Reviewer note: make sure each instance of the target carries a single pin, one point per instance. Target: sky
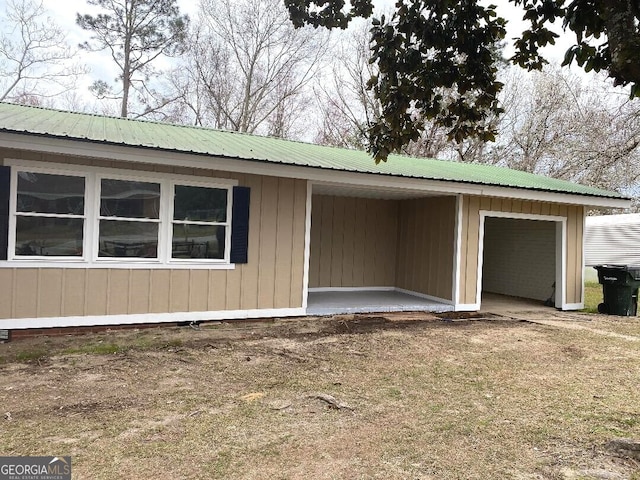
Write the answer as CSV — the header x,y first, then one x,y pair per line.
x,y
64,13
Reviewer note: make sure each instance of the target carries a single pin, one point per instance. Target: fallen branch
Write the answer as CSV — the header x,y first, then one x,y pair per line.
x,y
355,352
332,401
280,406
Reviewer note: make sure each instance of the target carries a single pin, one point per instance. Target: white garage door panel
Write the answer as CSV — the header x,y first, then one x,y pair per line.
x,y
519,257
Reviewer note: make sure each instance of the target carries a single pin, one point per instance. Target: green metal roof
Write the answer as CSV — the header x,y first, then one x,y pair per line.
x,y
204,141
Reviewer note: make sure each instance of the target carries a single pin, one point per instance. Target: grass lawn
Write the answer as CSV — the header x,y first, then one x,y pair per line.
x,y
592,296
421,399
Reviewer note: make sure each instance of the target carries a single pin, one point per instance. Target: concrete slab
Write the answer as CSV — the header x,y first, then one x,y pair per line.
x,y
367,301
501,304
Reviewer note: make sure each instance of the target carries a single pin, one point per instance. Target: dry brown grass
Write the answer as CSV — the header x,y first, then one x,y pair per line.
x,y
431,400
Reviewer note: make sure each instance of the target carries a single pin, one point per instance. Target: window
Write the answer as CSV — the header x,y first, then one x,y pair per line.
x,y
101,217
129,219
49,213
199,222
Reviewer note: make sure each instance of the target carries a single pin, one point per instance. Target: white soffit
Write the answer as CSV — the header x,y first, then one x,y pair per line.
x,y
338,190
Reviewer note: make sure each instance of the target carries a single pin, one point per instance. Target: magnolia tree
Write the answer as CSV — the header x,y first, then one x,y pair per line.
x,y
436,58
348,106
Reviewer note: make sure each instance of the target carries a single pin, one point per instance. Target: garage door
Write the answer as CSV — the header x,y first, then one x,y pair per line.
x,y
519,257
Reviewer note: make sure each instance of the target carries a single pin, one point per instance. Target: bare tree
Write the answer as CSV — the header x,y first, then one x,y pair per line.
x,y
348,106
557,125
136,33
291,117
248,68
35,60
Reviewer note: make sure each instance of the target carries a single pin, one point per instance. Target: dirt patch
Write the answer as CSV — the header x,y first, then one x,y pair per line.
x,y
393,397
466,316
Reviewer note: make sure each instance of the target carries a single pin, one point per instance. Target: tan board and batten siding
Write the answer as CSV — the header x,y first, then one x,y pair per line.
x,y
353,242
471,207
426,246
273,278
364,242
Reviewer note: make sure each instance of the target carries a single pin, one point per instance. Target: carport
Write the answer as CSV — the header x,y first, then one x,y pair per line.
x,y
380,250
398,250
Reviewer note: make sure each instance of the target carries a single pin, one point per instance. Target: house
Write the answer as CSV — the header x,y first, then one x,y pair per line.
x,y
107,221
611,240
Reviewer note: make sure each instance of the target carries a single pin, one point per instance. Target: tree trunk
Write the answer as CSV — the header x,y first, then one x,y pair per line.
x,y
126,67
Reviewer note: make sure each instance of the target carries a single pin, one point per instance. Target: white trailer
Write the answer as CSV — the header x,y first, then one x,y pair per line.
x,y
611,240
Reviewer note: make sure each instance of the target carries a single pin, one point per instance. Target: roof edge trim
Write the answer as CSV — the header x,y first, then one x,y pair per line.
x,y
44,143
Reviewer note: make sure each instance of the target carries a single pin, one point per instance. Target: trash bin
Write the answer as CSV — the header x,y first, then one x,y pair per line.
x,y
620,285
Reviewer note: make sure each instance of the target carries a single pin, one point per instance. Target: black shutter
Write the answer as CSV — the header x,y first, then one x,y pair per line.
x,y
5,183
240,225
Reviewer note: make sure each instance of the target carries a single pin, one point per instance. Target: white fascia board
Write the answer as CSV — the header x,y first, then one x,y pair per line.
x,y
132,319
211,162
151,155
566,198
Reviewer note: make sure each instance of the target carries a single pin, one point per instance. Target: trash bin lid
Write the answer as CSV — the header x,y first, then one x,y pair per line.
x,y
619,274
612,267
634,271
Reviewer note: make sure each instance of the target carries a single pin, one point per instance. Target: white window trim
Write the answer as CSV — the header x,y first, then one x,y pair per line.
x,y
95,219
561,252
13,214
90,258
169,217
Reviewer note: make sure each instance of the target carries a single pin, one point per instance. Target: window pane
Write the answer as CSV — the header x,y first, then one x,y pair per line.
x,y
49,236
122,198
200,204
45,193
128,239
198,241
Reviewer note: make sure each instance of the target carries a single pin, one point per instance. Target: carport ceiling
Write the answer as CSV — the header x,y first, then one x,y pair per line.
x,y
341,190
